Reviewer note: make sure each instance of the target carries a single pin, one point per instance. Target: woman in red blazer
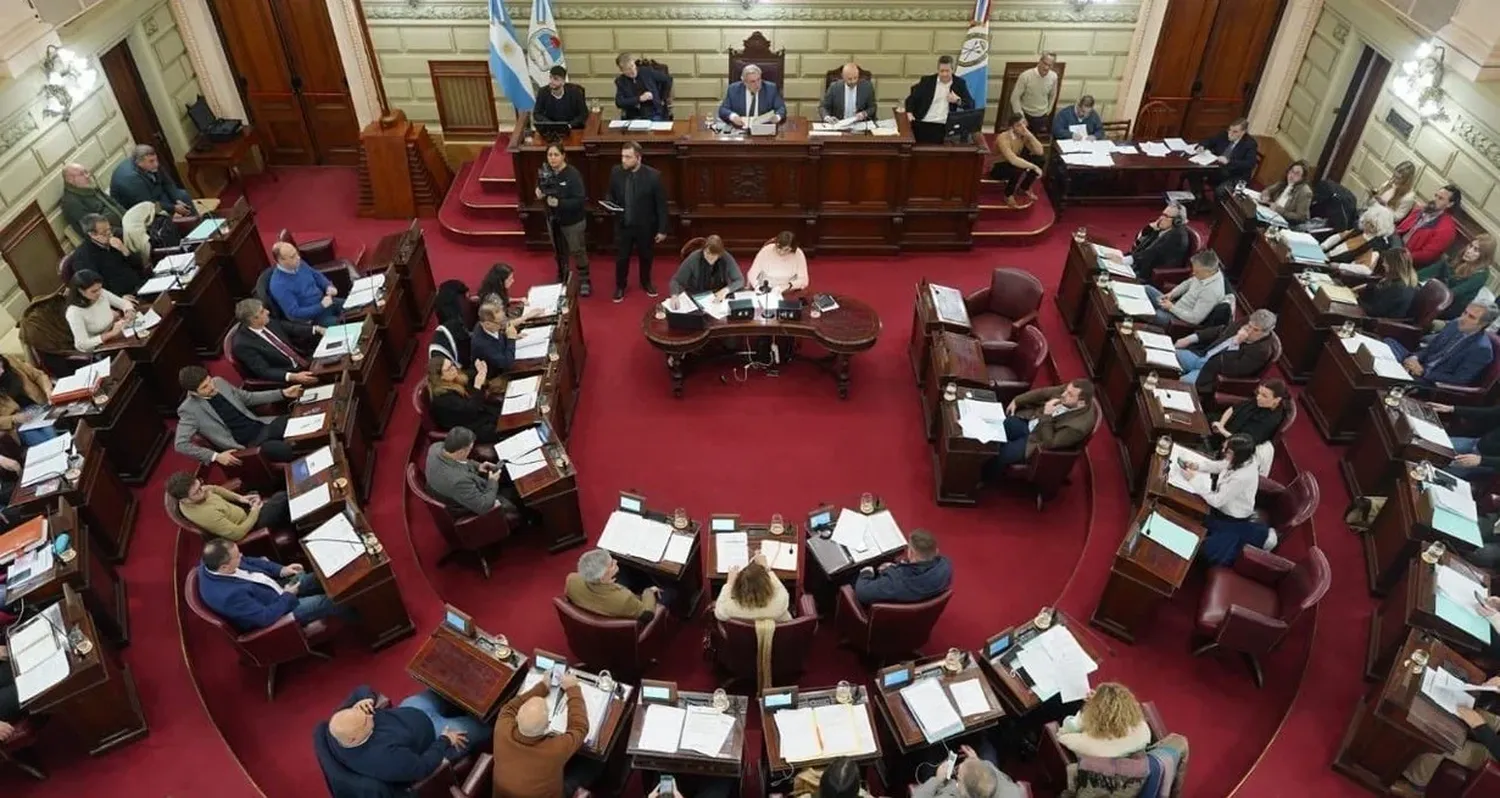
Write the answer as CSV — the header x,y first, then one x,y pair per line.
x,y
1430,229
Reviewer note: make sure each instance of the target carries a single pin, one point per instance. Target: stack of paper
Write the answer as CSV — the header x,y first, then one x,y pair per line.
x,y
1458,600
969,697
1126,149
164,282
47,459
1115,268
982,421
779,556
1430,432
732,550
334,544
867,536
534,342
1108,253
595,702
1170,535
1204,158
1057,665
1090,159
304,503
183,263
1178,145
933,709
1304,248
339,339
1458,499
1172,399
661,729
1155,149
1446,690
1268,215
705,730
38,652
1131,299
1164,358
1154,340
83,381
297,426
521,395
679,548
1389,368
34,564
1376,347
635,536
319,393
797,730
545,298
1200,482
365,291
143,323
830,730
949,304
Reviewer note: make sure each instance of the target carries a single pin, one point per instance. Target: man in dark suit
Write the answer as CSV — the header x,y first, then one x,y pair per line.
x,y
851,97
1235,151
251,593
641,92
641,222
561,101
1059,417
1163,243
1457,355
1240,349
271,349
494,339
750,97
104,253
934,97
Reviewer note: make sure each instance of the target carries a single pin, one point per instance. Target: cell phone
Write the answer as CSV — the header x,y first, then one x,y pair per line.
x,y
952,764
666,788
557,674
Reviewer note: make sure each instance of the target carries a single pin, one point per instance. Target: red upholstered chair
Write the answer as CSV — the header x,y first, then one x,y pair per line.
x,y
1482,392
281,642
884,633
1431,300
1167,279
479,783
1054,758
248,381
1288,507
1244,387
464,532
1013,370
734,646
1452,780
255,472
279,545
1010,303
1048,470
16,751
1249,607
1227,312
319,250
624,646
483,452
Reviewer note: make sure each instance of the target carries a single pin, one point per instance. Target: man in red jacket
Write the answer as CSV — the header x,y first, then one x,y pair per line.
x,y
1429,230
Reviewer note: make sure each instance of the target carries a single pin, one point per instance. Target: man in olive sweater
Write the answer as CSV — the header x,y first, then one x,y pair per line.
x,y
530,762
224,513
594,588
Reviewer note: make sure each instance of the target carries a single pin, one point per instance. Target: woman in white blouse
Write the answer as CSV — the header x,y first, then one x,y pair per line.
x,y
1396,193
1231,501
780,264
91,312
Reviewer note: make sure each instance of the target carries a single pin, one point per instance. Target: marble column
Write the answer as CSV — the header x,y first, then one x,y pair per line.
x,y
1293,34
1143,41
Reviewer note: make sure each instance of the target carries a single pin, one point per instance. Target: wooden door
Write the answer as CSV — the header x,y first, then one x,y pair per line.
x,y
318,78
1208,62
135,105
252,42
1352,114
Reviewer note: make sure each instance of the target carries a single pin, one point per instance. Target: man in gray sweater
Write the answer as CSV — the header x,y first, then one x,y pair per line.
x,y
973,778
457,480
1193,299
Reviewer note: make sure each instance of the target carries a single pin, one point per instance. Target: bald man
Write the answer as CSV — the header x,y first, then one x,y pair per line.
x,y
530,762
81,196
302,292
400,745
850,97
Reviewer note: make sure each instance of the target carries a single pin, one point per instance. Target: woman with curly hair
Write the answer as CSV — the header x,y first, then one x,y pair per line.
x,y
1111,724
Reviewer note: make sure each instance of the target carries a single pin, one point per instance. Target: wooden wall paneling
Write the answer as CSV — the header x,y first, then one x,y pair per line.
x,y
251,39
32,250
318,77
465,93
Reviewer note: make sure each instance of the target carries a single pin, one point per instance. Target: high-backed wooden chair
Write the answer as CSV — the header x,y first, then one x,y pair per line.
x,y
837,74
1012,73
757,50
1157,120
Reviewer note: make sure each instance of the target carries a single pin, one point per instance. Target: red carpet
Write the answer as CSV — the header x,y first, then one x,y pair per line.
x,y
712,452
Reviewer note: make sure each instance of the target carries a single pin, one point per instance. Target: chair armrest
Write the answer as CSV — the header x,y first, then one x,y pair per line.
x,y
807,606
283,624
1409,335
478,781
1449,394
651,627
848,600
1249,631
978,301
1029,318
1262,566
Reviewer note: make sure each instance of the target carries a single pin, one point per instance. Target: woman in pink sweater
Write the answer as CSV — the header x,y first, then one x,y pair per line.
x,y
779,264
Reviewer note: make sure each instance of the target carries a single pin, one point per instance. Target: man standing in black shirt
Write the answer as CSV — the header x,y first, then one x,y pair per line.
x,y
561,101
641,222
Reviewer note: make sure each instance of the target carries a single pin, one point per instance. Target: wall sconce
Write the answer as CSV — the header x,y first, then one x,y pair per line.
x,y
1419,81
69,80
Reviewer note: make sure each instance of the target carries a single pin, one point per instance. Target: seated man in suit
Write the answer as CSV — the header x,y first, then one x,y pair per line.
x,y
1059,417
1235,151
1162,243
709,268
141,179
1239,349
1082,114
251,593
561,101
221,413
222,512
81,196
530,760
750,97
494,339
923,574
1457,355
303,293
1481,748
851,97
271,349
104,253
934,97
399,746
1478,455
1193,299
462,483
594,587
1428,230
641,92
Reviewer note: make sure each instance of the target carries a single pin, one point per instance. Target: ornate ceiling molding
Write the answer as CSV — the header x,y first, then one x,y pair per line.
x,y
1471,132
421,10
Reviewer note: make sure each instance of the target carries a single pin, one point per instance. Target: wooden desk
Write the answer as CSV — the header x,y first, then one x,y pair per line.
x,y
552,491
903,726
548,408
1412,605
1079,270
464,671
1266,276
1145,575
1147,422
1100,316
1016,690
392,316
1341,391
1137,178
834,565
777,765
206,302
754,534
953,358
843,194
616,713
107,507
1123,368
1401,528
1233,231
957,461
1304,327
341,418
686,578
556,369
368,587
97,702
844,332
1160,489
926,320
239,249
729,762
223,155
125,420
1395,723
160,354
338,477
93,578
406,251
370,370
1385,444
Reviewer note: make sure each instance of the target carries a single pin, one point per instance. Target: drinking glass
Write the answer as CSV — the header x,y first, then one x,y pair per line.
x,y
867,503
721,700
843,692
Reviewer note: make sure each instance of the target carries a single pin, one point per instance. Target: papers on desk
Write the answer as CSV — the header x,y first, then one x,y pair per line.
x,y
304,503
1390,369
1105,253
163,282
982,421
1446,690
808,733
534,342
1126,149
731,550
338,339
1131,299
661,730
1458,499
82,382
1078,131
705,730
205,230
365,291
930,704
1057,665
1178,145
1204,158
1170,535
32,642
1430,432
315,463
1456,526
319,393
1153,340
1377,347
1337,293
334,544
545,298
297,426
679,548
969,696
1177,476
183,263
519,445
635,536
1304,248
46,460
1116,269
1161,357
1457,602
661,126
1172,399
1090,159
779,556
595,703
525,465
1155,149
885,127
867,536
949,304
33,565
143,323
1101,147
520,395
43,676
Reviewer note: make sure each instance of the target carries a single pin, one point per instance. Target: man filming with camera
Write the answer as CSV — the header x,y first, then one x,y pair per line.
x,y
560,187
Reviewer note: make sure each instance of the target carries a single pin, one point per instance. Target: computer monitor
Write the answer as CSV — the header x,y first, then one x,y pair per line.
x,y
544,662
723,523
964,124
632,503
997,645
895,677
780,699
551,131
458,622
821,518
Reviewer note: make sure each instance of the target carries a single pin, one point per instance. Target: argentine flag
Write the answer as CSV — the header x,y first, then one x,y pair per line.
x,y
543,47
508,59
974,57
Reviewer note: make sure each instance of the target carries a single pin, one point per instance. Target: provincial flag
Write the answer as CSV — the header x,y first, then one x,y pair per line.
x,y
543,46
974,56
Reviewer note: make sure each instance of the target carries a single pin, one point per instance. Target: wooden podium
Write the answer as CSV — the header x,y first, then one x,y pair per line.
x,y
957,461
552,491
1101,314
1304,326
108,507
1079,269
1341,391
392,316
1123,367
925,322
1145,575
123,417
466,671
367,586
1266,276
239,250
1159,488
954,358
401,172
1412,604
370,370
1385,444
407,252
1233,231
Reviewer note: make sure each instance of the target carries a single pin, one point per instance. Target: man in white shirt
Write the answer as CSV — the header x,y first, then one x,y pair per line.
x,y
1035,94
851,97
934,97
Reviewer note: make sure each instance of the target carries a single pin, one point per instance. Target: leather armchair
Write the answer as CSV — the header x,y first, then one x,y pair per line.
x,y
1250,607
624,646
693,244
16,751
1244,387
464,532
734,646
281,642
254,471
1054,757
1482,392
1010,303
884,633
1288,507
1431,300
1452,780
65,268
48,340
1013,370
1048,470
248,381
279,545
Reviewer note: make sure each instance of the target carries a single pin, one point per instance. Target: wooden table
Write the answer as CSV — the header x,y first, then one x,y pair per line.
x,y
552,491
92,577
686,578
844,332
1305,325
368,587
392,315
465,671
953,358
547,410
341,418
1412,605
925,321
239,249
558,372
843,194
1267,274
1385,444
206,301
1401,528
957,461
123,417
1395,723
754,534
370,370
224,155
406,251
727,764
1341,391
1123,369
1016,690
159,354
902,724
1144,575
1148,421
1233,231
1081,185
777,766
107,506
1158,487
1101,315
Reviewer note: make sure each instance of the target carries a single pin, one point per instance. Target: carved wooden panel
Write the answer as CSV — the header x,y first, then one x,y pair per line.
x,y
465,97
33,252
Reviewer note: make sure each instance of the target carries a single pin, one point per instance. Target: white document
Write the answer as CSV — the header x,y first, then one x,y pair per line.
x,y
518,404
1126,149
1390,370
42,676
982,421
1131,299
1065,651
1154,340
849,531
1204,158
34,642
518,445
160,283
1078,130
334,544
534,343
298,426
320,393
658,126
933,709
319,461
635,536
364,291
1457,586
1429,431
1376,347
949,303
1457,499
1179,145
526,465
970,698
1108,253
731,550
1117,269
1068,146
798,730
178,264
884,533
523,386
779,556
1155,149
46,460
304,503
704,730
679,548
1171,399
143,323
1038,665
1161,357
838,729
84,379
545,297
662,728
1446,690
1199,483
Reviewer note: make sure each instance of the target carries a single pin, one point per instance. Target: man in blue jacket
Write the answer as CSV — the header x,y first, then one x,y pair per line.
x,y
1081,114
1457,355
494,339
749,97
141,179
924,574
252,592
396,746
302,292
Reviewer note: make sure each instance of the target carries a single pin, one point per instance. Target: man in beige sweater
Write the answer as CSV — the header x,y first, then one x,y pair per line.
x,y
223,513
593,587
1035,94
